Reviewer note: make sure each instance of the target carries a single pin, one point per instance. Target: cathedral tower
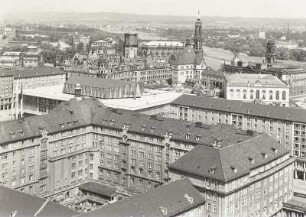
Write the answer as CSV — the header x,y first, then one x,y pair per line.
x,y
198,39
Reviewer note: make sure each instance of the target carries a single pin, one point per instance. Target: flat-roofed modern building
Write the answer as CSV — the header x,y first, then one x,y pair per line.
x,y
250,177
15,81
176,199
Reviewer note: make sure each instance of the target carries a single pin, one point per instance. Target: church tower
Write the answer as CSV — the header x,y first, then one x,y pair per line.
x,y
198,39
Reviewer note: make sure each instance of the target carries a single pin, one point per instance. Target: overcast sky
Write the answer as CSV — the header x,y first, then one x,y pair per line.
x,y
240,8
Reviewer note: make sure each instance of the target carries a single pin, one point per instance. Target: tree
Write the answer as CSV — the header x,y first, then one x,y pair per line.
x,y
80,47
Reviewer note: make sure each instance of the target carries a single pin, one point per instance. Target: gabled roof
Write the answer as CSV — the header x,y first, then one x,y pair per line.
x,y
67,115
27,205
187,57
229,162
167,200
245,108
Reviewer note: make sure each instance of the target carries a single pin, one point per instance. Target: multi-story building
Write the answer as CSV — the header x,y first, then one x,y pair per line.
x,y
252,177
81,140
176,199
258,88
33,57
101,44
130,46
160,50
6,91
144,75
13,82
102,88
187,66
286,125
286,45
10,59
79,38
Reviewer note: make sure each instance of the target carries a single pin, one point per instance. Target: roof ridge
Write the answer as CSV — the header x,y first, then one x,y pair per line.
x,y
223,176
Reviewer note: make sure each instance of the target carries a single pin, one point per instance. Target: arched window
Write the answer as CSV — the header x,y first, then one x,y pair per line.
x,y
277,95
263,94
244,94
232,93
237,93
271,95
284,95
257,94
251,94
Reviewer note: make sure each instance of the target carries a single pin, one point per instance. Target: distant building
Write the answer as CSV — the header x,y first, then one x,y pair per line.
x,y
176,199
262,35
187,66
33,57
260,88
149,75
102,88
160,50
101,44
10,59
130,46
250,177
286,45
16,81
79,38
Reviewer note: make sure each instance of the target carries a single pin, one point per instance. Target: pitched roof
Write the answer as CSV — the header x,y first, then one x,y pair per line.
x,y
67,115
30,72
172,198
229,162
254,79
27,205
98,188
187,57
239,107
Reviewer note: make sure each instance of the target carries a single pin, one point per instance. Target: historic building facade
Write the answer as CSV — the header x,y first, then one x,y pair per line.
x,y
259,88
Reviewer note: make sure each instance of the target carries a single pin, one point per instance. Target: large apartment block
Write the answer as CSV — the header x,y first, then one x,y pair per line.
x,y
286,125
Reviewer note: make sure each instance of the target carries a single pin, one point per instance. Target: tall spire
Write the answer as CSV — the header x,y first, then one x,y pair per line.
x,y
199,17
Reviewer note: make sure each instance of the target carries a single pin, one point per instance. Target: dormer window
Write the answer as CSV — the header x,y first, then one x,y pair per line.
x,y
212,169
274,150
235,170
197,138
249,111
163,210
251,160
62,125
187,136
264,155
189,198
112,122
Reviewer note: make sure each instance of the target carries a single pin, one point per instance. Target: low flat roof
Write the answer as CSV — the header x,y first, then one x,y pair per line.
x,y
150,98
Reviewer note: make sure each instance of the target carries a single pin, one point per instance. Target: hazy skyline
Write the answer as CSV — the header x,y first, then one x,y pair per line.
x,y
226,8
